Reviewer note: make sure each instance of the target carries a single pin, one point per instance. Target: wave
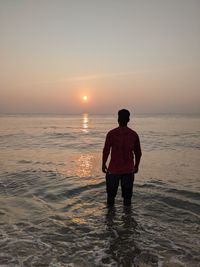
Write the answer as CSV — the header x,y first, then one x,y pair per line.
x,y
62,219
161,193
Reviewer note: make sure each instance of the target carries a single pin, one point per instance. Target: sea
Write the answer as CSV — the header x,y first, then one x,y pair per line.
x,y
53,198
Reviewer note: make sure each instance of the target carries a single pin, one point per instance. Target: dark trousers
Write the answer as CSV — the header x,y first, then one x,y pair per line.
x,y
112,183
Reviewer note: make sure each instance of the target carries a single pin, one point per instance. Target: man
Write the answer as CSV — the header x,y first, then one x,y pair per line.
x,y
125,149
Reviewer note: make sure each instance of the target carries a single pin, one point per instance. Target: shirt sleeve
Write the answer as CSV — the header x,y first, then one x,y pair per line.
x,y
137,147
106,149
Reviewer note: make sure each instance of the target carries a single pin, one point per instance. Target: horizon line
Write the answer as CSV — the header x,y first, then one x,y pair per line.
x,y
81,113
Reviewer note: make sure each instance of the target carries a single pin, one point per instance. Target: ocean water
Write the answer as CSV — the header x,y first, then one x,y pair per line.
x,y
53,200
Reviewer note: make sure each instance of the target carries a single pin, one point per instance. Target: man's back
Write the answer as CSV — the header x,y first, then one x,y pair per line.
x,y
123,142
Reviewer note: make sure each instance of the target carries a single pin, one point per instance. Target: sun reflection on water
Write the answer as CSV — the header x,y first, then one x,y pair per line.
x,y
85,165
85,122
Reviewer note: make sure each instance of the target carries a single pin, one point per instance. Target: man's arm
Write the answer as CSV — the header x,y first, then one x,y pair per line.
x,y
138,154
106,152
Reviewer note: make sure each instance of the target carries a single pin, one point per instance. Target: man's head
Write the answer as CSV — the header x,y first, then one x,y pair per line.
x,y
123,117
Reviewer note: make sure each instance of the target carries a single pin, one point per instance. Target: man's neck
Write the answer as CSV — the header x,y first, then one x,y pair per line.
x,y
122,125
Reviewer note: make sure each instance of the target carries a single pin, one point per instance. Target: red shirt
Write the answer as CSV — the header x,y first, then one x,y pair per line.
x,y
123,143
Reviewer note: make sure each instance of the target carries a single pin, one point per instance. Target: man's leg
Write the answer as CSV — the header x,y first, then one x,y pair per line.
x,y
127,187
112,183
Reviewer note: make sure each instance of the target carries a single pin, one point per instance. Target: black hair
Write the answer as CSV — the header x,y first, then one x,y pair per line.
x,y
123,116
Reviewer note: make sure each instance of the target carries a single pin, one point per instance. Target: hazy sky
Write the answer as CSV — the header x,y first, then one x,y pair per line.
x,y
140,54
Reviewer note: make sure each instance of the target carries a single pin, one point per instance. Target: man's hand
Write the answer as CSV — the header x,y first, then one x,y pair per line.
x,y
135,170
104,168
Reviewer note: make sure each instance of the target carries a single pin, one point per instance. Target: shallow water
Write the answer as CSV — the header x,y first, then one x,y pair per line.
x,y
52,193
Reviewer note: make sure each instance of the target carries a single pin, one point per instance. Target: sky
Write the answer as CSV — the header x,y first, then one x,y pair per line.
x,y
143,55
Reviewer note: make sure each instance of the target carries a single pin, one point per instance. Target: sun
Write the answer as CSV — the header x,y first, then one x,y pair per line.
x,y
85,98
